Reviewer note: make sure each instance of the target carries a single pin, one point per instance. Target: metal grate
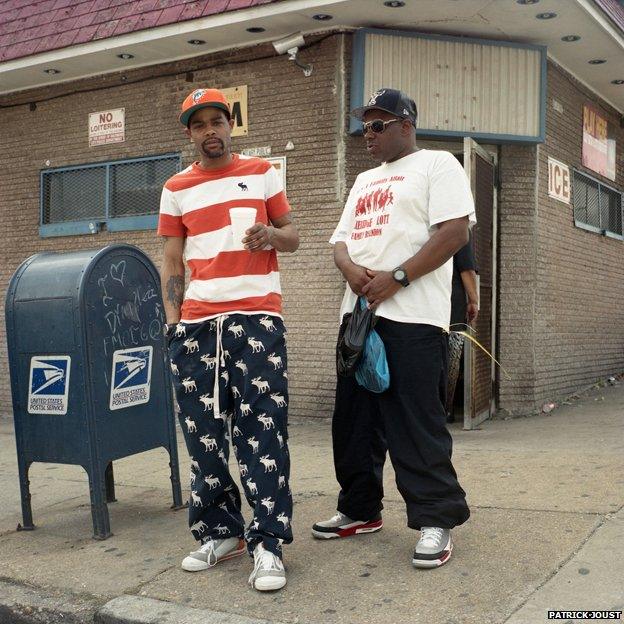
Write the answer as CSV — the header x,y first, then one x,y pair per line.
x,y
74,195
105,190
596,205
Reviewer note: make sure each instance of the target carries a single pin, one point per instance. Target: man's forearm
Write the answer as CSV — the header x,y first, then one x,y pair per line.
x,y
342,259
469,280
285,238
172,279
444,243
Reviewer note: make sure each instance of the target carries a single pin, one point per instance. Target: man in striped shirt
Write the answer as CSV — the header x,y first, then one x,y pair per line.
x,y
226,342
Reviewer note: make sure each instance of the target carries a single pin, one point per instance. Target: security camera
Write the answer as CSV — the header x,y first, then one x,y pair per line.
x,y
289,44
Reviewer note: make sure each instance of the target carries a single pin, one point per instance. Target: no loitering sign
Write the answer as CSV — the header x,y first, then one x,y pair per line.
x,y
107,127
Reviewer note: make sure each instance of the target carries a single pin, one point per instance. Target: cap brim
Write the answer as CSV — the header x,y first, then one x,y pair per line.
x,y
185,117
358,113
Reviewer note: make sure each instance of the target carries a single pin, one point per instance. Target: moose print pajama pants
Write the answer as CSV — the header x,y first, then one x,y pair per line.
x,y
231,372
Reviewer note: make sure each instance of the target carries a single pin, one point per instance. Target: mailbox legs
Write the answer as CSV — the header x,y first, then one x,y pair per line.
x,y
99,510
109,477
175,476
27,520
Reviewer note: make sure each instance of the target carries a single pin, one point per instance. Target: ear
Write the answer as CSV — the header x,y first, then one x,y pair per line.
x,y
231,123
188,133
406,127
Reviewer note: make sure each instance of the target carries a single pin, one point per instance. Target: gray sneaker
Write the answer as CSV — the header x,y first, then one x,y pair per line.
x,y
343,526
268,573
213,551
434,548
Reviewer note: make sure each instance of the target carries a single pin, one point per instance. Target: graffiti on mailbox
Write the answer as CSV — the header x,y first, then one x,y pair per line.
x,y
132,314
48,386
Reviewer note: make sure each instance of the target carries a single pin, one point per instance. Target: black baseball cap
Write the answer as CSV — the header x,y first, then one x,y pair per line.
x,y
389,100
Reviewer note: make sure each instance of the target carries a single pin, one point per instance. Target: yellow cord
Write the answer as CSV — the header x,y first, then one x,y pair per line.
x,y
473,339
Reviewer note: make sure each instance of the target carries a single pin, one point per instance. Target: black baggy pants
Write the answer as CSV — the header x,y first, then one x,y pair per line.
x,y
409,421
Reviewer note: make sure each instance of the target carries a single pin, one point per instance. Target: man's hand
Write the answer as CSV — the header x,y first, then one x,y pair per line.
x,y
472,311
258,236
382,286
357,276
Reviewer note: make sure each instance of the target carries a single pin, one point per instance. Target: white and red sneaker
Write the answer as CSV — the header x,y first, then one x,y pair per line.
x,y
434,548
342,526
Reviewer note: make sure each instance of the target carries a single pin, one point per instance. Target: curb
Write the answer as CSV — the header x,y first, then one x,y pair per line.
x,y
25,604
140,610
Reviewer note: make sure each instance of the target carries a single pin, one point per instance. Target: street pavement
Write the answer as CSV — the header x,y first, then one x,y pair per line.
x,y
546,533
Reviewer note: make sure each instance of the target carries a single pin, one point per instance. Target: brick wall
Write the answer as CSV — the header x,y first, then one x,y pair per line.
x,y
580,274
283,106
558,326
560,320
517,264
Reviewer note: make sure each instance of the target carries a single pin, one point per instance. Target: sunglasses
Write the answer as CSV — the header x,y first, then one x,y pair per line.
x,y
377,125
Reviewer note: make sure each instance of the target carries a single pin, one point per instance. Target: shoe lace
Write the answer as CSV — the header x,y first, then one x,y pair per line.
x,y
267,562
339,517
208,547
431,536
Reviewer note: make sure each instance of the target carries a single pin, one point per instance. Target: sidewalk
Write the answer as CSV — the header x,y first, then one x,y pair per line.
x,y
547,532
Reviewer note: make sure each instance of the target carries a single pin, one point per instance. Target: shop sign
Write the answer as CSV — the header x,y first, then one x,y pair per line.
x,y
598,144
107,127
558,180
237,99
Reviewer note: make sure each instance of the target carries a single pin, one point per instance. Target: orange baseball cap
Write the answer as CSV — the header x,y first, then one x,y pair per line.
x,y
202,98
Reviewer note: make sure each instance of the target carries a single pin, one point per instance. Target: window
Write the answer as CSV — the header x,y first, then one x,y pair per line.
x,y
597,207
124,195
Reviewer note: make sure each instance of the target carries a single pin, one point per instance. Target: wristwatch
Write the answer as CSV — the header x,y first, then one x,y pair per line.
x,y
400,275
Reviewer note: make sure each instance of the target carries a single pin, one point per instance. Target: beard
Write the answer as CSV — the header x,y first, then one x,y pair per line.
x,y
214,151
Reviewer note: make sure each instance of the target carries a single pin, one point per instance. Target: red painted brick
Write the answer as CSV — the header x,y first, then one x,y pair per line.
x,y
149,20
125,25
86,34
85,7
66,38
192,10
165,4
125,10
170,15
103,16
27,11
48,43
106,30
234,5
213,8
60,4
85,20
13,26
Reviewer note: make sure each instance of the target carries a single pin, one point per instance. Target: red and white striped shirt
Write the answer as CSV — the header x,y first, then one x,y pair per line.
x,y
195,204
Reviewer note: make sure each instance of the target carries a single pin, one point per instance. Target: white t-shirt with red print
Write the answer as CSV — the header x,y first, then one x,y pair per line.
x,y
391,212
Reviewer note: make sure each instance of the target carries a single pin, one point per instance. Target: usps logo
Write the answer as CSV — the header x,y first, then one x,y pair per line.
x,y
131,377
48,388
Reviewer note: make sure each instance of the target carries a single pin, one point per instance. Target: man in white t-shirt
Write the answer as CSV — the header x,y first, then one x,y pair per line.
x,y
394,244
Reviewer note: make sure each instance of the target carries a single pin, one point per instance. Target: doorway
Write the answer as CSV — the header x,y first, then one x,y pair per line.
x,y
478,368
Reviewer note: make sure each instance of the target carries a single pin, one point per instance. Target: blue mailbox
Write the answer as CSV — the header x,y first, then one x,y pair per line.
x,y
89,371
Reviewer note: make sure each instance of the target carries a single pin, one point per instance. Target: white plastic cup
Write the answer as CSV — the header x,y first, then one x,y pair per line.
x,y
241,220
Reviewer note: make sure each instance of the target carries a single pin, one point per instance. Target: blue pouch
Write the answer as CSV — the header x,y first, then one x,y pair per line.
x,y
372,372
